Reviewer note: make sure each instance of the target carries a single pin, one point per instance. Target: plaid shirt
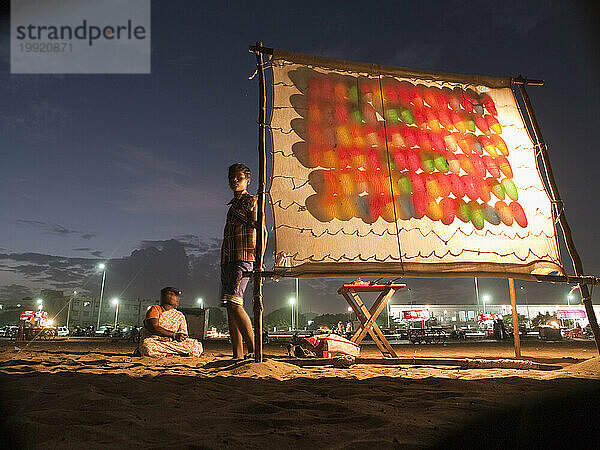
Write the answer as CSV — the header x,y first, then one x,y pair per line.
x,y
239,237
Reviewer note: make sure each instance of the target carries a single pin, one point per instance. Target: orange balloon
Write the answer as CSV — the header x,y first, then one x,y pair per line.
x,y
504,212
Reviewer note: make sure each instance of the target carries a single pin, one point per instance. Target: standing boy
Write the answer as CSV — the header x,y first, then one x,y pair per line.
x,y
237,256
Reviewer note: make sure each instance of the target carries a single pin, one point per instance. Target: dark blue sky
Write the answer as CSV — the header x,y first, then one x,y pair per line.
x,y
93,165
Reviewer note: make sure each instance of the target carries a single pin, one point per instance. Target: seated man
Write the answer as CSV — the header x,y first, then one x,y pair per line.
x,y
165,329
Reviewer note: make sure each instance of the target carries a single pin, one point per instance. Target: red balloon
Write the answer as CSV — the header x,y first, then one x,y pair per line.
x,y
416,95
491,166
399,158
444,184
423,140
483,189
410,136
470,187
518,214
343,154
441,98
418,183
430,98
457,185
403,90
413,161
489,104
391,94
504,166
437,142
420,200
448,206
478,166
373,156
482,124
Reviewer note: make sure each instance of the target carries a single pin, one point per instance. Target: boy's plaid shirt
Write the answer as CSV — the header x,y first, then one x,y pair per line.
x,y
239,237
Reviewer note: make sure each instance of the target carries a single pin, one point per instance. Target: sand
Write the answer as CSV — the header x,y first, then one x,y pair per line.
x,y
92,393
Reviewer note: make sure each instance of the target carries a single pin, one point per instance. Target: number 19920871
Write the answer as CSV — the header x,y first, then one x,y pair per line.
x,y
46,47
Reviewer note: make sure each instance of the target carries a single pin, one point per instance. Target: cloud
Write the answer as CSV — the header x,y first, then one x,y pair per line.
x,y
55,229
96,253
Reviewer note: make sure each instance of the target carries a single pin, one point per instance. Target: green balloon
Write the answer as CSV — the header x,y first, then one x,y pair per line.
x,y
441,164
477,218
407,116
498,190
427,162
463,212
405,185
510,189
353,94
471,125
391,116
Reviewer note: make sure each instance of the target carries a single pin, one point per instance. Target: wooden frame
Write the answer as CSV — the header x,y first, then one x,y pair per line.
x,y
368,317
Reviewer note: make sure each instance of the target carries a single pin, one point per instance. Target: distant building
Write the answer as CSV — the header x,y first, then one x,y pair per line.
x,y
80,310
466,315
84,311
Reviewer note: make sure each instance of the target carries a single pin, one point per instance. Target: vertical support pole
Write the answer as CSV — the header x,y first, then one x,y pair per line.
x,y
477,294
69,309
560,213
515,318
297,305
101,295
262,169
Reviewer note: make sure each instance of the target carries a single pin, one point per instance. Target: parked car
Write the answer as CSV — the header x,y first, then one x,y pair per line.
x,y
104,330
62,331
9,331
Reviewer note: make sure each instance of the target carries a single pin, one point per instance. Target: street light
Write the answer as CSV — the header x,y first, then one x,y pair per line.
x,y
115,301
102,267
526,302
292,301
200,301
40,303
298,306
569,298
485,298
69,307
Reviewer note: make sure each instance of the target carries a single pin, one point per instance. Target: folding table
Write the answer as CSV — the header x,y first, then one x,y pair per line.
x,y
366,316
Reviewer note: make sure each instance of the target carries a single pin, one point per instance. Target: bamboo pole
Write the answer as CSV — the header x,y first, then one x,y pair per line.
x,y
559,210
515,318
262,169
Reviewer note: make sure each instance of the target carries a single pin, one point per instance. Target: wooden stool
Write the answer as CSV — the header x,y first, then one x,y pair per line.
x,y
368,317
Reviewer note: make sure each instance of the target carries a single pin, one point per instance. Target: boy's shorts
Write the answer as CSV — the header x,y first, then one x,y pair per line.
x,y
233,283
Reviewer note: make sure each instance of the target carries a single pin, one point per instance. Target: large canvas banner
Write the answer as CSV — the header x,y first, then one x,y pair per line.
x,y
385,171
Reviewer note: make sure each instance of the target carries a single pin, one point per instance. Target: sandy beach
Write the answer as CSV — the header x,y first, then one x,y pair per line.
x,y
91,393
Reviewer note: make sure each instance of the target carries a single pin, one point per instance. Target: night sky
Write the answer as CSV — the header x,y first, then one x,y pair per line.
x,y
131,169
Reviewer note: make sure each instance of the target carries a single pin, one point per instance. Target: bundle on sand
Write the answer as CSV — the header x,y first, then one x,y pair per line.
x,y
328,345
